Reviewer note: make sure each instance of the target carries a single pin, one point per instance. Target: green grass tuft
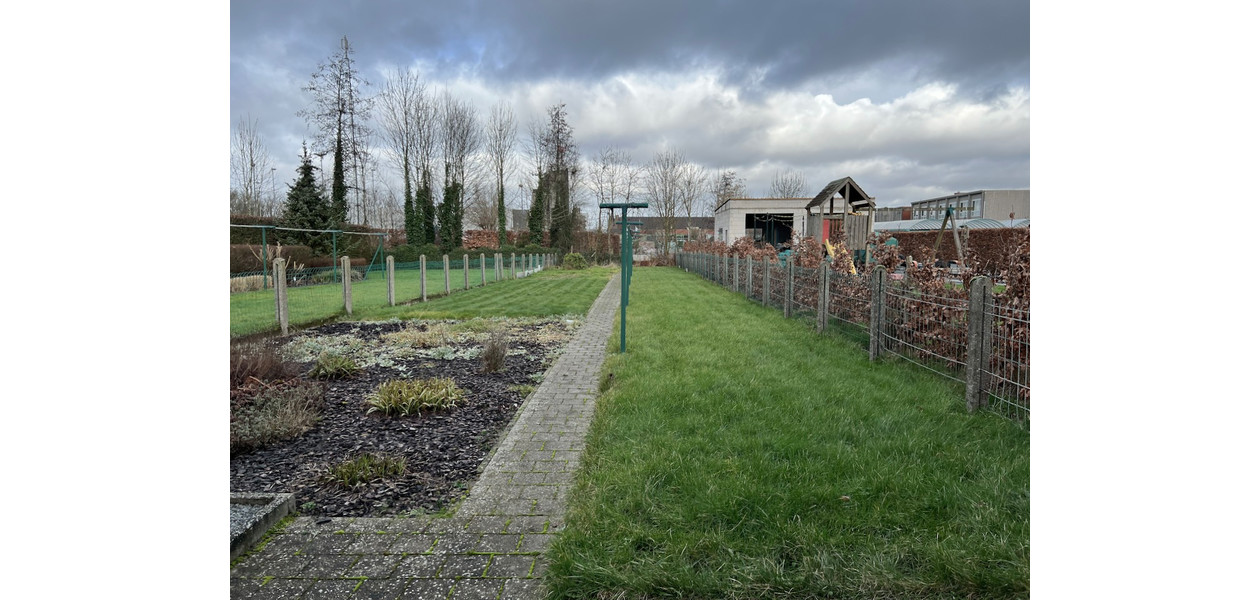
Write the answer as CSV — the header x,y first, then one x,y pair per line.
x,y
331,365
365,468
405,397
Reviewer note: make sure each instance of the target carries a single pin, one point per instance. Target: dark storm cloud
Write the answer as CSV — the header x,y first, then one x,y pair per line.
x,y
756,44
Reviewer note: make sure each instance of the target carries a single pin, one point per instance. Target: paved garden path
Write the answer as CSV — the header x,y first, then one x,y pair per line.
x,y
492,547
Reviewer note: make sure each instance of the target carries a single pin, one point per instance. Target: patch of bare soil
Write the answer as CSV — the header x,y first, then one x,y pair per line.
x,y
443,449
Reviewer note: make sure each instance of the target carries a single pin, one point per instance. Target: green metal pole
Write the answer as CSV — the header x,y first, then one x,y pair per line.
x,y
335,278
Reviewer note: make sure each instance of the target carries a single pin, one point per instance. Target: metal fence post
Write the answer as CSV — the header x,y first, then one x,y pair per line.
x,y
879,277
824,275
345,284
389,278
424,279
282,295
979,340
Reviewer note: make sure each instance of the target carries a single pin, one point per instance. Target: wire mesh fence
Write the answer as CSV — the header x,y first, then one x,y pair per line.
x,y
849,299
1007,372
317,294
927,326
926,329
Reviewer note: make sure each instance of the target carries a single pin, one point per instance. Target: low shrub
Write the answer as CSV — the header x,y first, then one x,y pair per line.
x,y
405,397
574,261
331,365
261,363
495,352
365,468
273,413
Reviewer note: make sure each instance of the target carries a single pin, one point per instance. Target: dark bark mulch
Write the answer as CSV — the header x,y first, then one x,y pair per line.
x,y
443,449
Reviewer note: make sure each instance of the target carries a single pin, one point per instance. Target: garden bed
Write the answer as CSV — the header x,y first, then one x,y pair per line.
x,y
443,449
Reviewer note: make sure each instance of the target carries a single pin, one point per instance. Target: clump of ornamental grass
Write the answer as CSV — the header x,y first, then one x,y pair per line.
x,y
259,363
365,468
331,365
273,412
424,335
406,397
494,354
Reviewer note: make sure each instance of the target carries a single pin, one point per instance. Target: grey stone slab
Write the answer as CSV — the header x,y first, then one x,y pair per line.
x,y
409,543
372,543
374,566
514,565
486,524
522,589
498,543
427,589
329,566
465,566
425,565
331,589
477,589
535,543
527,524
329,544
275,589
379,589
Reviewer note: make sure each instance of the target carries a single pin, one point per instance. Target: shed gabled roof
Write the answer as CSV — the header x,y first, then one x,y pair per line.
x,y
857,197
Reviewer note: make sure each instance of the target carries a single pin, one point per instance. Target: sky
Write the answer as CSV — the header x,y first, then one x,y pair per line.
x,y
912,99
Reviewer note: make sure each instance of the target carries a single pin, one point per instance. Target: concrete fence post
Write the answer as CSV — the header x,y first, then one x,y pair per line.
x,y
748,279
824,279
765,281
424,279
345,284
789,290
879,277
389,278
483,269
979,340
512,266
465,271
446,272
282,294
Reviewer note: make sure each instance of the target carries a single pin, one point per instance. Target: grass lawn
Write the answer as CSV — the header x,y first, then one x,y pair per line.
x,y
740,455
547,293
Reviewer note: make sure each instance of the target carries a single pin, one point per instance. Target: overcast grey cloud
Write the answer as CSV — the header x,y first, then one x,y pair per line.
x,y
912,99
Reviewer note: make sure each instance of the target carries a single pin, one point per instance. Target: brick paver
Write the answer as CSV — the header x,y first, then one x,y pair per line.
x,y
492,547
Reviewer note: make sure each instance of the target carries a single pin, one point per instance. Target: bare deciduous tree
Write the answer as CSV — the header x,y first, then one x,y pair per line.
x,y
663,187
724,186
500,144
691,187
340,114
251,166
400,111
787,184
460,137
